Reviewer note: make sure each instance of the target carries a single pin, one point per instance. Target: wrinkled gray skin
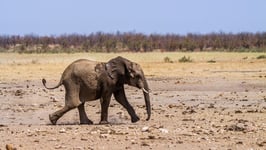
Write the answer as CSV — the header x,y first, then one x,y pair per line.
x,y
86,80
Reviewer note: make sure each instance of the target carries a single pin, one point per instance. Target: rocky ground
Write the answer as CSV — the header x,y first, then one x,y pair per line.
x,y
221,110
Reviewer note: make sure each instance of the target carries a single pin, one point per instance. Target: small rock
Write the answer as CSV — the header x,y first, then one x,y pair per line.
x,y
189,110
53,139
238,111
1,125
171,106
261,143
211,105
163,130
151,137
36,141
10,147
54,99
169,115
93,132
104,136
236,127
62,130
83,139
60,147
18,93
145,129
188,119
134,142
144,144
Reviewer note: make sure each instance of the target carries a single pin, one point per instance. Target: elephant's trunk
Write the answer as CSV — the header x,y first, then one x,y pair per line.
x,y
145,90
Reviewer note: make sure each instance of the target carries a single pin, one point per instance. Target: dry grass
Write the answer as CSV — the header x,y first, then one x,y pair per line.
x,y
138,57
36,66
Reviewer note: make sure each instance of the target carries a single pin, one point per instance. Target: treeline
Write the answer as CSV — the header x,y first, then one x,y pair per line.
x,y
134,42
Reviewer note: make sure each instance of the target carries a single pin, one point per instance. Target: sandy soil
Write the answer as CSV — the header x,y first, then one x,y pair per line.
x,y
194,106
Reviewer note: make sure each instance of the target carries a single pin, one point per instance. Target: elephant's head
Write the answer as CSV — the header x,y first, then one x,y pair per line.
x,y
127,72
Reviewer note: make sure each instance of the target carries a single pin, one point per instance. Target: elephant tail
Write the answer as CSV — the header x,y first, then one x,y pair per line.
x,y
50,88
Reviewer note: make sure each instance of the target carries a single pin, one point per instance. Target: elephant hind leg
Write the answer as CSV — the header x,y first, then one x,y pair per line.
x,y
105,101
83,116
58,114
71,101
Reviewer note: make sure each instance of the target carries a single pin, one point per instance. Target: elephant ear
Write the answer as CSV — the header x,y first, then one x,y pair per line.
x,y
110,71
116,67
130,68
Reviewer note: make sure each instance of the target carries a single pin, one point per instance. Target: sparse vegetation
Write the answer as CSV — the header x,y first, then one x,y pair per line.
x,y
211,61
168,60
134,42
261,57
185,59
152,62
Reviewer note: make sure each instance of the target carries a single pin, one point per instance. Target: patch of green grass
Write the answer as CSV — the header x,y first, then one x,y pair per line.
x,y
167,60
261,57
211,61
185,59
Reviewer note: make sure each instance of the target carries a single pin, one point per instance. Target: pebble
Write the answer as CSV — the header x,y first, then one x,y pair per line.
x,y
19,93
60,147
36,141
145,129
151,137
10,147
163,130
83,139
62,130
144,144
104,136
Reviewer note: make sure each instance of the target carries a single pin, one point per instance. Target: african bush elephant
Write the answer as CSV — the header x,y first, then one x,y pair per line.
x,y
86,80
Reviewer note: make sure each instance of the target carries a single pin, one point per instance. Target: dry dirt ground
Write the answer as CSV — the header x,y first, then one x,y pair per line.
x,y
196,105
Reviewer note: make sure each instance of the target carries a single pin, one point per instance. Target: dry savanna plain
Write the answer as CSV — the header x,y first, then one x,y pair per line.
x,y
217,101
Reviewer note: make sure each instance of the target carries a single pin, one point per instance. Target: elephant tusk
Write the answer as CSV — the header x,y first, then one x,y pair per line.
x,y
144,90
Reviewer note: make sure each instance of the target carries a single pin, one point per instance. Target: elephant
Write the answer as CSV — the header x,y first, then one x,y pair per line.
x,y
86,80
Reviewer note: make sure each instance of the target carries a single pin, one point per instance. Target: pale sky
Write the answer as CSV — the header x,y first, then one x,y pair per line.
x,y
56,17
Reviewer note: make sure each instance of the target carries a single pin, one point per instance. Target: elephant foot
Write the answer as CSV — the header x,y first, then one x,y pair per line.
x,y
53,118
134,119
87,122
104,122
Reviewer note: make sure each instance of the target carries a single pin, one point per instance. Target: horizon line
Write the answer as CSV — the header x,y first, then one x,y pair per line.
x,y
132,32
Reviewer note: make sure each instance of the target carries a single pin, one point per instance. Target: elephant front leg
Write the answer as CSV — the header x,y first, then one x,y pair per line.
x,y
83,116
105,101
121,98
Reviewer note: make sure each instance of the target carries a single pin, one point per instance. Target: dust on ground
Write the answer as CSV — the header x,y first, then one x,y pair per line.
x,y
194,106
